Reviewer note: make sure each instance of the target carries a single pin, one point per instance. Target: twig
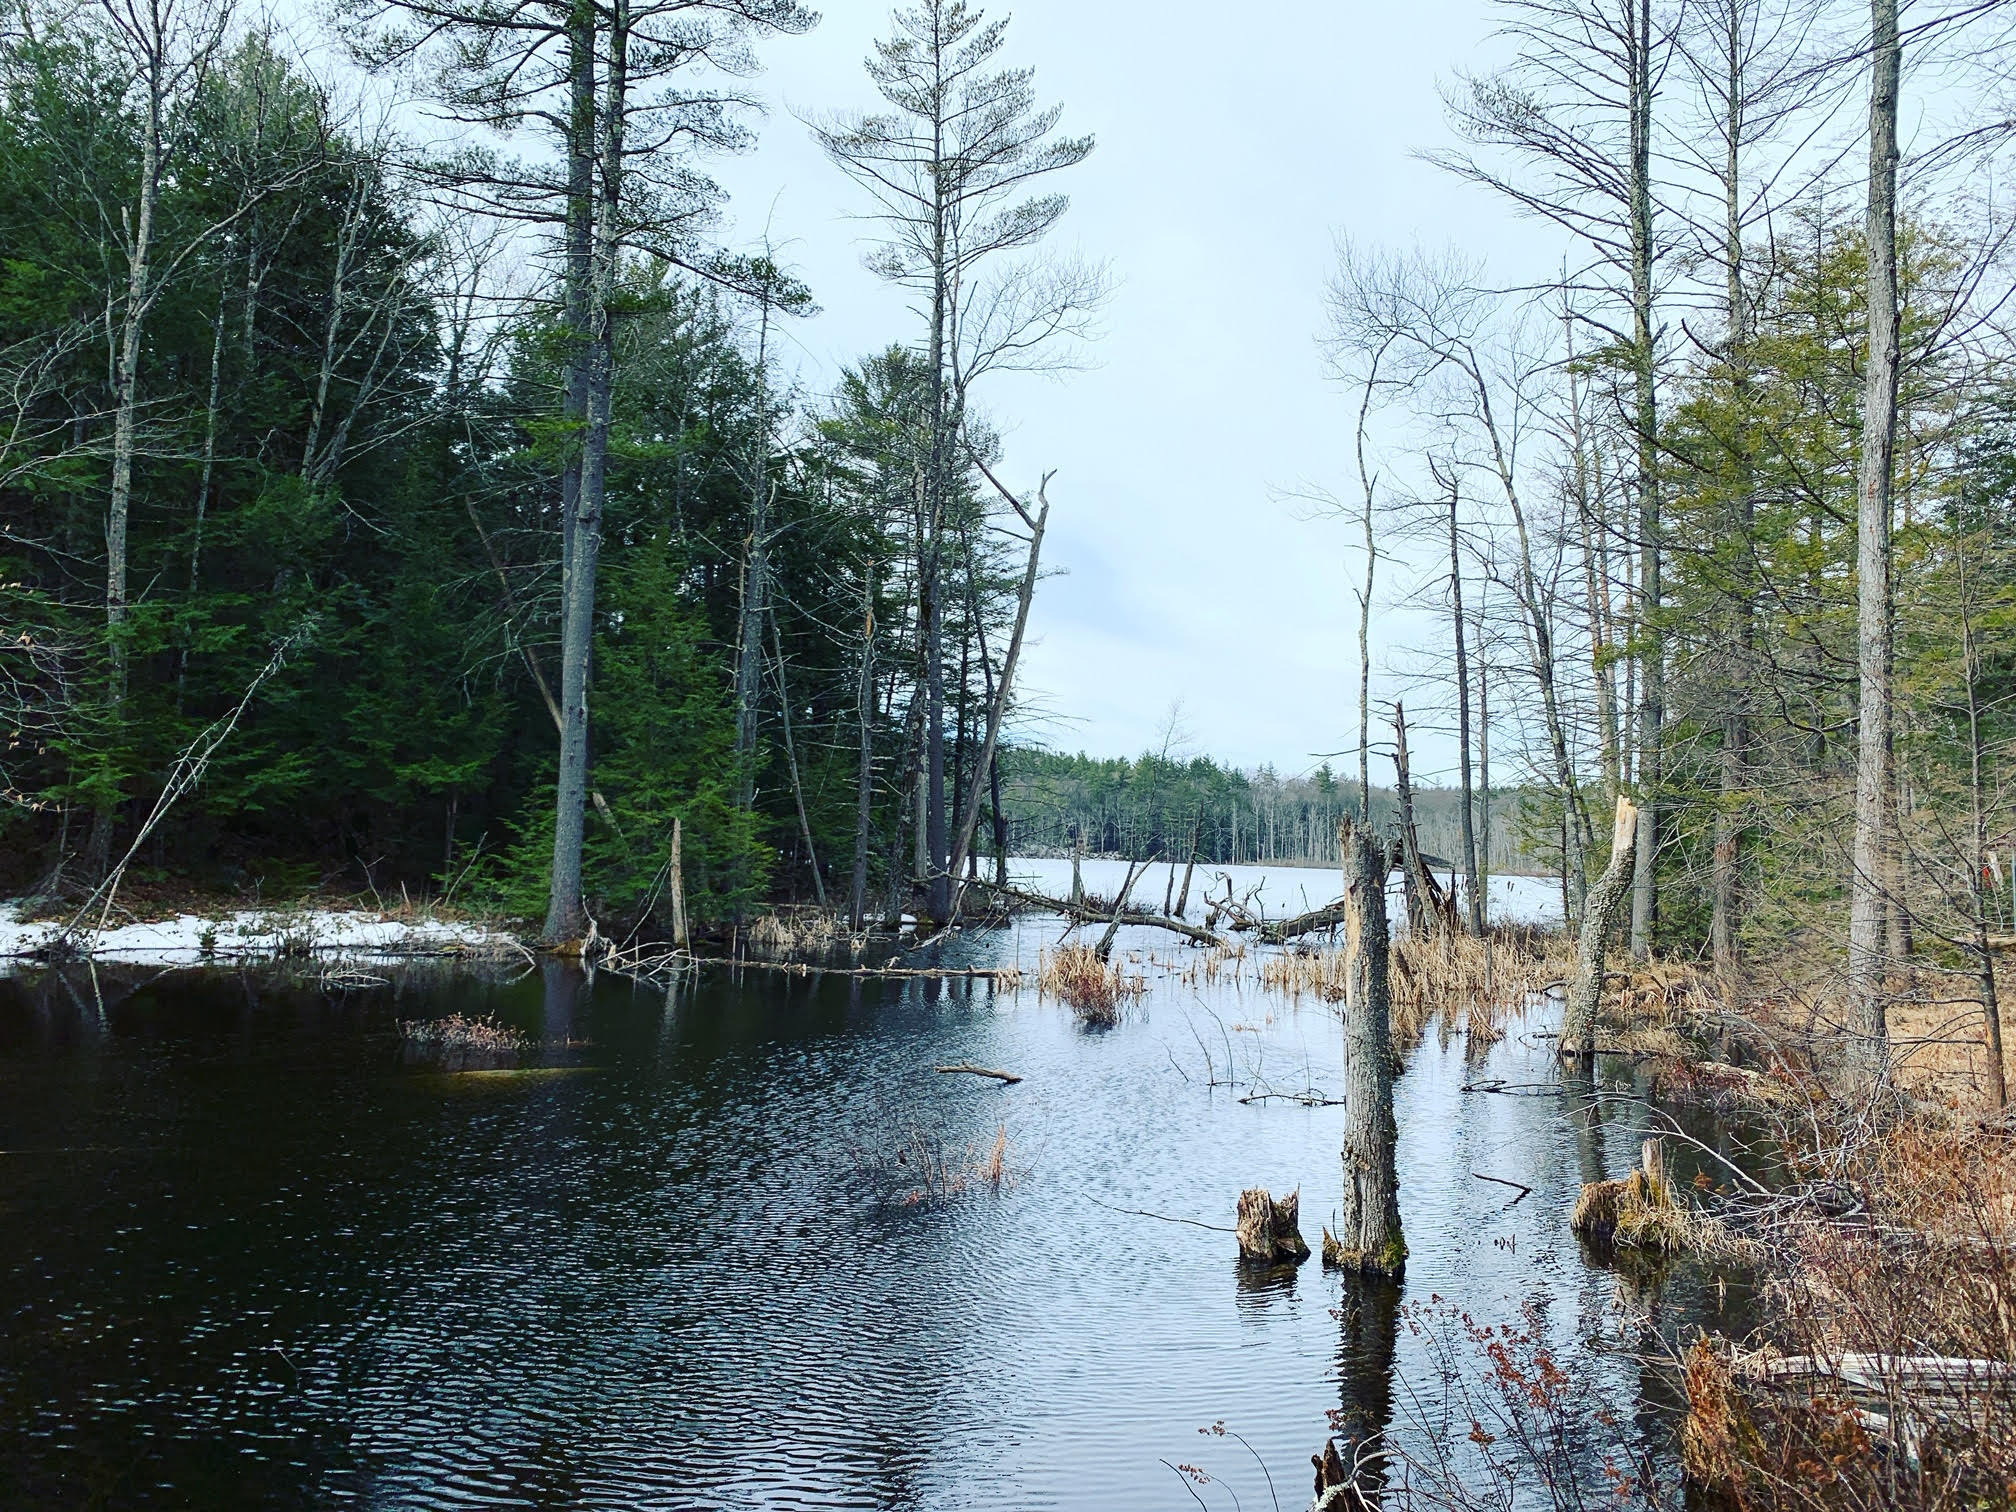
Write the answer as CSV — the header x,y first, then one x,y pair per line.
x,y
1524,1190
1216,1228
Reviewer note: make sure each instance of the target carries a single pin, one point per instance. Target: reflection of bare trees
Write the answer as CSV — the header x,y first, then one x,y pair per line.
x,y
1355,1459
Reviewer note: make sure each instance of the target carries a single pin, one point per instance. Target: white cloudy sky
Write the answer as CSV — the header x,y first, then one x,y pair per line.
x,y
1234,147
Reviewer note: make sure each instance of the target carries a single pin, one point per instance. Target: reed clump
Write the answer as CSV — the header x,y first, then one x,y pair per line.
x,y
458,1043
1095,988
1640,1212
922,1167
1486,979
804,934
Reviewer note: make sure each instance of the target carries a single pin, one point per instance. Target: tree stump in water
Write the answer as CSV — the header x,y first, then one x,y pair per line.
x,y
1640,1212
1270,1231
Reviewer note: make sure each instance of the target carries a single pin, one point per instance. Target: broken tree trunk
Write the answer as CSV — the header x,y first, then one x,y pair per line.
x,y
1368,1234
677,884
1270,1232
1599,917
1429,908
1189,870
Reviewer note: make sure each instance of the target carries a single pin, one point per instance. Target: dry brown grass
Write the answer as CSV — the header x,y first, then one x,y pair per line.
x,y
457,1043
1095,989
1485,981
804,934
1906,1253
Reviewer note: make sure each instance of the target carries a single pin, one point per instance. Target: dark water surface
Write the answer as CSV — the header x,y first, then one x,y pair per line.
x,y
249,1258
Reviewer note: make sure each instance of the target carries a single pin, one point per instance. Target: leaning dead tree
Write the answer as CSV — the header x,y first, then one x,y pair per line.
x,y
1368,1234
1606,900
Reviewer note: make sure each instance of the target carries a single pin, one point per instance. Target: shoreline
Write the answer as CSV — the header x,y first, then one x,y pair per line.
x,y
261,932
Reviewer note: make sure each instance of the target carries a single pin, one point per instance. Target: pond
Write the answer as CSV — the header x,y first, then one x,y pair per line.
x,y
251,1257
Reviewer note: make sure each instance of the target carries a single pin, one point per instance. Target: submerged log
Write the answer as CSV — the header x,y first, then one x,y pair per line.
x,y
1007,1078
1271,1232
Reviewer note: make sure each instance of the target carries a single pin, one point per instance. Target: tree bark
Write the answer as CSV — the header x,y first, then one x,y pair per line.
x,y
1867,902
1368,1230
1585,992
1652,713
566,911
857,897
1475,910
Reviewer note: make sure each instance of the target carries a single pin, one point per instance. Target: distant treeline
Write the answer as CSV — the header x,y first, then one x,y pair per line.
x,y
1156,805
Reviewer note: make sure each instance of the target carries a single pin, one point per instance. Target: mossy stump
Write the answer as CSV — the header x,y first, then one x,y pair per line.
x,y
1389,1260
1640,1212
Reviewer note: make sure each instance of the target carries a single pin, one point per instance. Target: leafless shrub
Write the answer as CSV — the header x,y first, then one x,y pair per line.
x,y
804,935
1888,1374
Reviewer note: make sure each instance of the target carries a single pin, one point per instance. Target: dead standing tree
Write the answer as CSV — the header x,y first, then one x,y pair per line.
x,y
1574,111
1473,369
1585,992
1431,908
1368,1236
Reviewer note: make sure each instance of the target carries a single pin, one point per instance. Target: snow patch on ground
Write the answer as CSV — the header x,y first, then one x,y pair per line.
x,y
253,932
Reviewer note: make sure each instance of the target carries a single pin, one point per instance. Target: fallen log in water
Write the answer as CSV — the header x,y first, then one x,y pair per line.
x,y
1937,1374
1007,1078
670,962
1281,931
1084,915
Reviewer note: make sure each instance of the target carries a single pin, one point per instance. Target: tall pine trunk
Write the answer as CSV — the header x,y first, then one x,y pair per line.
x,y
864,780
1475,911
566,910
1726,879
1652,710
1867,903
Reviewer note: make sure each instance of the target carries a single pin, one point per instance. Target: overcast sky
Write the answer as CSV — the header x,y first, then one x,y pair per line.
x,y
1234,145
